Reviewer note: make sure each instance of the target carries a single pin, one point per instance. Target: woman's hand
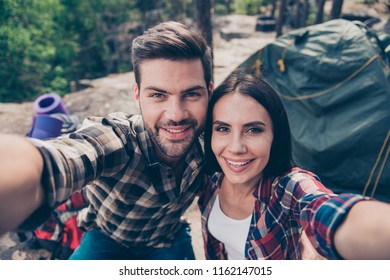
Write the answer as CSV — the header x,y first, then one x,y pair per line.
x,y
308,252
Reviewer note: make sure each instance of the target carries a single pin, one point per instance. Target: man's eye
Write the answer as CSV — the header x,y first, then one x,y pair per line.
x,y
156,95
191,95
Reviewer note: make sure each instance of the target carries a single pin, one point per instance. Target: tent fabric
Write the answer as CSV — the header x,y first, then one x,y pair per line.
x,y
334,80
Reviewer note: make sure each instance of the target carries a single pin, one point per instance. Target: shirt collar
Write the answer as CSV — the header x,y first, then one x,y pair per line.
x,y
263,192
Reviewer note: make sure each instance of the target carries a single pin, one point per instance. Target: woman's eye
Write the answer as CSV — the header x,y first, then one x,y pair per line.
x,y
254,130
221,129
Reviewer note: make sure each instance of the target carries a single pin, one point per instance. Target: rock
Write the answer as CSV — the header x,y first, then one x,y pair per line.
x,y
236,26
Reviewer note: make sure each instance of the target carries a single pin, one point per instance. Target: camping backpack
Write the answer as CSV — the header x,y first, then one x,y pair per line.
x,y
334,81
59,234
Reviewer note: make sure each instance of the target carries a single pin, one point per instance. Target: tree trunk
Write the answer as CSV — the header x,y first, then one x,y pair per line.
x,y
228,5
305,12
320,11
203,21
336,9
176,12
281,18
274,5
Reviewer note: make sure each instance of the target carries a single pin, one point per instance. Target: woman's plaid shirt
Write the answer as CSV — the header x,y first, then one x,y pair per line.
x,y
283,207
133,198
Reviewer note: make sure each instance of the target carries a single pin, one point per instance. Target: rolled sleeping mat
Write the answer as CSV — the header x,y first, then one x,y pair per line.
x,y
49,103
45,126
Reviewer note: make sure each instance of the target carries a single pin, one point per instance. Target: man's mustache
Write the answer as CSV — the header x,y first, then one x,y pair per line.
x,y
180,123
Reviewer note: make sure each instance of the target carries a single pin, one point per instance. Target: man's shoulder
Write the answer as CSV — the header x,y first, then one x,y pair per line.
x,y
125,126
122,116
125,121
119,117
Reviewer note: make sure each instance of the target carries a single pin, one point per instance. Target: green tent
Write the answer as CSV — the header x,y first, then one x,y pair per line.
x,y
334,80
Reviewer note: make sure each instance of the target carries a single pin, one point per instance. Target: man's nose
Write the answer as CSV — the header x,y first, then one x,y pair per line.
x,y
176,111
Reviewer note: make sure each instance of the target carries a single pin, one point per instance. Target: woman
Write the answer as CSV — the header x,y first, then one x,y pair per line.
x,y
258,203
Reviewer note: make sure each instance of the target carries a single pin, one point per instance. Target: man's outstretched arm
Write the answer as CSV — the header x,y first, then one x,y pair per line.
x,y
21,166
365,233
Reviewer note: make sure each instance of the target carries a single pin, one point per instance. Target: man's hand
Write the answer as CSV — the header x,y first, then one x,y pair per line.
x,y
21,194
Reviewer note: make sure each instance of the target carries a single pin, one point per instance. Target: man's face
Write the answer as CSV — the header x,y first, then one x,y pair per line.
x,y
173,100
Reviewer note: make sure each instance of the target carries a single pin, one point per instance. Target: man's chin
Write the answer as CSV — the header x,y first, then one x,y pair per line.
x,y
175,152
176,149
173,149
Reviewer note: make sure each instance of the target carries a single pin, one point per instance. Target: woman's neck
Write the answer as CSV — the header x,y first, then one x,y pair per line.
x,y
237,200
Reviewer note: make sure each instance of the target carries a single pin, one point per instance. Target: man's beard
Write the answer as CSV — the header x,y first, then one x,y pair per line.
x,y
172,147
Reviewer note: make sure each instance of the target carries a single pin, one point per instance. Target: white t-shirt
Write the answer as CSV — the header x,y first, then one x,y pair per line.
x,y
232,233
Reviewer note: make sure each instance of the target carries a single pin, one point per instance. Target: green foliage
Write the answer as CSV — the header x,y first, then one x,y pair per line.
x,y
220,9
247,7
28,39
45,45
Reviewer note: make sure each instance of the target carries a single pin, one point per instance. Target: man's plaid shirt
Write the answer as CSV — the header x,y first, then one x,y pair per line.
x,y
283,207
133,198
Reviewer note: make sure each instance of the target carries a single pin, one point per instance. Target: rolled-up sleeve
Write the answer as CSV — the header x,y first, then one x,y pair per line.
x,y
328,217
76,159
319,211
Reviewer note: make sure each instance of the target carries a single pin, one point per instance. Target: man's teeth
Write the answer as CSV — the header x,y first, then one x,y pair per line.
x,y
237,164
175,130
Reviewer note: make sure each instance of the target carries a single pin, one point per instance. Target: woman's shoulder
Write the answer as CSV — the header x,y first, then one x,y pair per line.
x,y
297,173
302,178
295,176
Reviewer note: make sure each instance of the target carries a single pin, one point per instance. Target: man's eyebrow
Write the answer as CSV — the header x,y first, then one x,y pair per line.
x,y
153,88
156,89
193,88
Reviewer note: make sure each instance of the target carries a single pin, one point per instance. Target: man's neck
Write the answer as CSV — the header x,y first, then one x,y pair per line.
x,y
176,163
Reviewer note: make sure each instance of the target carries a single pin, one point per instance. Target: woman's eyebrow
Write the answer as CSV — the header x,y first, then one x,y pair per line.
x,y
220,123
255,123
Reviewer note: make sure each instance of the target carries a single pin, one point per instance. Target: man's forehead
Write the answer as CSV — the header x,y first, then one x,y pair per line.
x,y
178,75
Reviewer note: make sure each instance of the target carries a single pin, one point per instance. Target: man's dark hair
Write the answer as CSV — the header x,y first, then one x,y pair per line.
x,y
172,41
280,160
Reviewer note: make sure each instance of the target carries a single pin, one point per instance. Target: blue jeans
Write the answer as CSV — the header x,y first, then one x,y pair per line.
x,y
96,245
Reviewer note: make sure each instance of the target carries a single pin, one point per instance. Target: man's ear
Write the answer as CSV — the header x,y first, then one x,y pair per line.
x,y
136,95
211,88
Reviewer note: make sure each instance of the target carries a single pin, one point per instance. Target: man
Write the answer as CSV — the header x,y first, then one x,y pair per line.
x,y
141,172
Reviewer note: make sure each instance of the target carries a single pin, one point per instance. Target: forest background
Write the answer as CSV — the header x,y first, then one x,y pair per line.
x,y
52,45
72,48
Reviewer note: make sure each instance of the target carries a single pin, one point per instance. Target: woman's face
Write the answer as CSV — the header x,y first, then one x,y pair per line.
x,y
241,139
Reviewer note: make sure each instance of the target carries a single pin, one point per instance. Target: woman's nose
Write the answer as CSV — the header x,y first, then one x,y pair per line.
x,y
237,145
